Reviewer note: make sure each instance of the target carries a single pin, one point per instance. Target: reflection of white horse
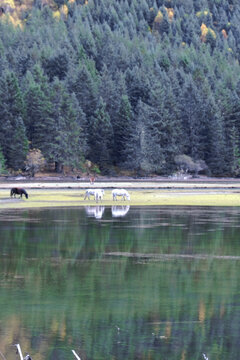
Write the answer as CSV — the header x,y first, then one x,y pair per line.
x,y
97,193
95,211
120,211
120,192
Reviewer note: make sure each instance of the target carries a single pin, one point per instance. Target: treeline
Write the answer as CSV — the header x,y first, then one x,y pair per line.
x,y
126,84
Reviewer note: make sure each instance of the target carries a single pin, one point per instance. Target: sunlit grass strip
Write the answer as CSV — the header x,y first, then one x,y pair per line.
x,y
39,198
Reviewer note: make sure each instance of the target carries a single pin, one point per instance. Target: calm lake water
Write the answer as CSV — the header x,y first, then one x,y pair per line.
x,y
69,280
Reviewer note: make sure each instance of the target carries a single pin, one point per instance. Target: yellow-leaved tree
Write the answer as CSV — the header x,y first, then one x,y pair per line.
x,y
34,162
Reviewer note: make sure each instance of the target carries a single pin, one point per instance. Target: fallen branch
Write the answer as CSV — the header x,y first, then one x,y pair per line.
x,y
1,354
76,355
19,351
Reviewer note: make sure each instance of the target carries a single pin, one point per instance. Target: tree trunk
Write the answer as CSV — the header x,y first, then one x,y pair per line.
x,y
58,167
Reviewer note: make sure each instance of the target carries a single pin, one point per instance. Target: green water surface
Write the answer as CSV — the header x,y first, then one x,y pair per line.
x,y
101,281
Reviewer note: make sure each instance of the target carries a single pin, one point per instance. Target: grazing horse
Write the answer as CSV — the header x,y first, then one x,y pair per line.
x,y
120,192
18,191
97,193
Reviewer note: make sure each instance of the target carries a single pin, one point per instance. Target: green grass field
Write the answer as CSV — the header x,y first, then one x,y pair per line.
x,y
39,198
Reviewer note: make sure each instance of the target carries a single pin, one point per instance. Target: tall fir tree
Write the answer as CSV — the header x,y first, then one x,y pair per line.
x,y
18,148
143,151
86,90
68,146
39,121
166,123
231,112
193,113
12,130
101,137
2,163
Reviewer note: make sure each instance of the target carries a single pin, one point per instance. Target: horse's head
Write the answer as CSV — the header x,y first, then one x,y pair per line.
x,y
23,191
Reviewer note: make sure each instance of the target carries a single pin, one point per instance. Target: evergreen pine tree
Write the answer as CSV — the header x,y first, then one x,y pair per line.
x,y
85,89
67,149
12,130
216,150
143,151
122,130
231,111
193,115
101,137
18,147
39,121
2,163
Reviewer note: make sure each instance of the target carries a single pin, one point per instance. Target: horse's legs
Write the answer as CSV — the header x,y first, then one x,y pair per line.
x,y
86,196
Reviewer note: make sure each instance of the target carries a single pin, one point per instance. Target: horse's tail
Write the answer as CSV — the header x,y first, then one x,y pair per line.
x,y
11,192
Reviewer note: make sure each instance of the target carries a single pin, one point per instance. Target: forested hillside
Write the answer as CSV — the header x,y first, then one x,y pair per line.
x,y
126,84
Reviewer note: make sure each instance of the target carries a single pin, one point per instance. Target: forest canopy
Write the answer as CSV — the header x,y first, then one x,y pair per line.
x,y
125,84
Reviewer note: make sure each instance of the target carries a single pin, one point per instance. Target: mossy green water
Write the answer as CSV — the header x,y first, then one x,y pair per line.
x,y
67,282
40,198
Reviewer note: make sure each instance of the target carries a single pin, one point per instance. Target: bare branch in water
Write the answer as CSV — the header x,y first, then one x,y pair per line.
x,y
76,355
1,354
19,351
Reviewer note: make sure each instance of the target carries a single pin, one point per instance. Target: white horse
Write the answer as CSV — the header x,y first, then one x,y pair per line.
x,y
99,195
120,211
96,193
120,192
95,211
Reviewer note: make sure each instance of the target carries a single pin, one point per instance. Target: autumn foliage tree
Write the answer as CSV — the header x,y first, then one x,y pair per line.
x,y
34,162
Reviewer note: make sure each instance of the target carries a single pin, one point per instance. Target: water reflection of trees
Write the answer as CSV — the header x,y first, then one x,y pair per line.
x,y
51,298
176,300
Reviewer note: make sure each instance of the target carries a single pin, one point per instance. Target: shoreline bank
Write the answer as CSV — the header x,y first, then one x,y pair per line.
x,y
133,184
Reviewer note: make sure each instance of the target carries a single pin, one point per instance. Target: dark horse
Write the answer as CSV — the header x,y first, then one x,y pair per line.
x,y
18,191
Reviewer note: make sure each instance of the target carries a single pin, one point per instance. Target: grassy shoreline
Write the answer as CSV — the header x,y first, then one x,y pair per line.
x,y
44,198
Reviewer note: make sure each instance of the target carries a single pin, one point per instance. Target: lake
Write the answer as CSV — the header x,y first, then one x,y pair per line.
x,y
120,283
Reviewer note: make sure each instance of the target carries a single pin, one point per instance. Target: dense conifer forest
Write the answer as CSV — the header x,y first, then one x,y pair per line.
x,y
125,84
